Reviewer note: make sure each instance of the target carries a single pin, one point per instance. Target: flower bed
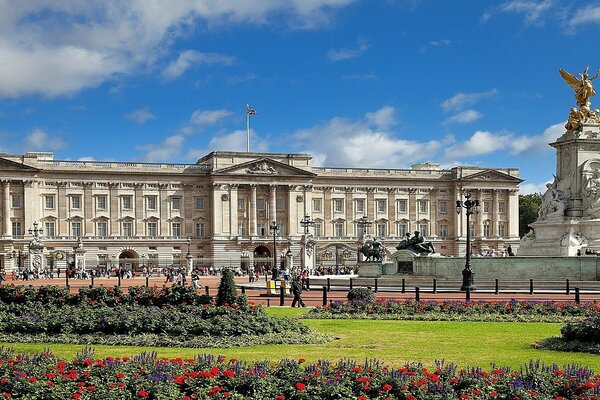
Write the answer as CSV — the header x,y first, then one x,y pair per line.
x,y
55,295
133,324
581,335
43,376
520,311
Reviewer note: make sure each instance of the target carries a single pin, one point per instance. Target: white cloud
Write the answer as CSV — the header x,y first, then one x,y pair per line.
x,y
585,15
529,188
461,100
533,11
141,115
187,59
39,140
346,54
166,151
439,43
344,142
485,142
482,142
208,117
463,117
56,48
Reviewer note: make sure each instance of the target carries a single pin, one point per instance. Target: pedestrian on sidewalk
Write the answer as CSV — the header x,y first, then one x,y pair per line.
x,y
297,292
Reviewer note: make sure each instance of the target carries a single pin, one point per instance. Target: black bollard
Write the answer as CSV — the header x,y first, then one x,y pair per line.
x,y
350,283
324,296
281,295
468,294
307,283
268,302
376,288
434,290
496,288
119,279
206,290
567,288
243,289
147,283
328,284
531,286
92,285
417,294
403,285
577,299
67,278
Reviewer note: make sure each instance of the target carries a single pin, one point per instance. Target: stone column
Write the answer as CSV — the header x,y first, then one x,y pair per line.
x,y
6,210
113,208
495,215
163,209
138,204
458,218
88,209
413,210
30,207
252,210
233,211
512,208
62,204
433,213
272,203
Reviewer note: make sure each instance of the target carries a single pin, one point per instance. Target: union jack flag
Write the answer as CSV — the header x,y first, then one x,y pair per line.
x,y
250,110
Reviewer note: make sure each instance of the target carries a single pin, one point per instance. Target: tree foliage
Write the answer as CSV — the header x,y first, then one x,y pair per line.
x,y
529,204
227,290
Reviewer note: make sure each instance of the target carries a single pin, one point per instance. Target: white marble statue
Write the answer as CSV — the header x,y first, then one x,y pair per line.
x,y
591,192
527,239
552,204
572,239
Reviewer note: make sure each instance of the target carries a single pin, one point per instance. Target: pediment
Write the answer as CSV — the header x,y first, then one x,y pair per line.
x,y
491,175
263,167
8,165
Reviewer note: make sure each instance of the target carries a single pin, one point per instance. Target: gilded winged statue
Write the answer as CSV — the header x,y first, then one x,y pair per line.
x,y
584,89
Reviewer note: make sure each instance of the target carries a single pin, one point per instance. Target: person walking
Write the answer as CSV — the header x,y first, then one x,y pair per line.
x,y
297,292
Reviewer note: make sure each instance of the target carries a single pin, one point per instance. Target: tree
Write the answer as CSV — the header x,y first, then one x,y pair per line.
x,y
529,205
227,291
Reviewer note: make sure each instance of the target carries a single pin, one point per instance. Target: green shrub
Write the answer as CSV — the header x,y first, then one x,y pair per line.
x,y
227,290
361,296
586,330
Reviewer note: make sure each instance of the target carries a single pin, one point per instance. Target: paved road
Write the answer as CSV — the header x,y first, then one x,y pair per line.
x,y
257,292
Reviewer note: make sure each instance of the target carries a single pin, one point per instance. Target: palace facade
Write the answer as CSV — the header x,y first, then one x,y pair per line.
x,y
218,211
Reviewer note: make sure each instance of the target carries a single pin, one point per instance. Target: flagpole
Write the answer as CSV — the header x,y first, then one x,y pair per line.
x,y
247,131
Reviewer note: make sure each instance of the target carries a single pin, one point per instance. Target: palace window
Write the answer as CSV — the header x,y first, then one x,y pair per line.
x,y
502,229
200,230
152,228
260,230
101,202
280,204
176,229
423,206
127,229
49,229
360,206
75,202
501,207
76,229
175,203
317,205
338,205
381,230
487,229
199,203
126,202
102,229
487,206
16,201
401,205
261,204
402,229
17,229
443,206
338,229
151,202
381,206
241,229
423,229
318,229
241,205
49,202
443,231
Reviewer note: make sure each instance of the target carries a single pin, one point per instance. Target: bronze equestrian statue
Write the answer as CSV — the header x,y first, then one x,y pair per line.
x,y
416,244
373,251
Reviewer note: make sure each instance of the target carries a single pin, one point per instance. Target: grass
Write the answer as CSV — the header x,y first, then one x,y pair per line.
x,y
394,342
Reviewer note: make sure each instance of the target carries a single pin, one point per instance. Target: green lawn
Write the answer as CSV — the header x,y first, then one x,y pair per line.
x,y
394,342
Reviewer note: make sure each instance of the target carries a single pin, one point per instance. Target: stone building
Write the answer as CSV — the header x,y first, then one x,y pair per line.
x,y
218,210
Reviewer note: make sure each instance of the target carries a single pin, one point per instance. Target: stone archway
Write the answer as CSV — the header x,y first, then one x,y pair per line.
x,y
263,258
129,261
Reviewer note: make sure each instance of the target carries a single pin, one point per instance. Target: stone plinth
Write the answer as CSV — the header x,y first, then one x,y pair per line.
x,y
370,269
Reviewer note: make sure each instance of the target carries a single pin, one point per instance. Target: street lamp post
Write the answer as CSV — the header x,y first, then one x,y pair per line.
x,y
189,256
306,223
363,223
471,207
274,228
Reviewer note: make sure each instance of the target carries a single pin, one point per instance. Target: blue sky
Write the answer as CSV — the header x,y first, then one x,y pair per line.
x,y
369,83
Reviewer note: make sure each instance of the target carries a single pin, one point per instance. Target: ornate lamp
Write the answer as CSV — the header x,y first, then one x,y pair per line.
x,y
471,207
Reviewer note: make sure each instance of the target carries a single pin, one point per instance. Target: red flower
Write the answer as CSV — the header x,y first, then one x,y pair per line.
x,y
7,395
120,375
32,379
143,393
229,373
300,386
361,398
280,397
76,395
301,360
387,387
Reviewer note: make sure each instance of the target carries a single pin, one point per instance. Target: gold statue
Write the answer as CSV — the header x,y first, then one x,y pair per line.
x,y
583,88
